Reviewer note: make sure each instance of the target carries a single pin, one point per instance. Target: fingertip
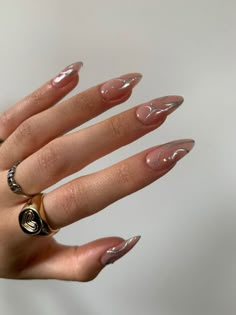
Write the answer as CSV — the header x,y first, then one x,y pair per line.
x,y
104,252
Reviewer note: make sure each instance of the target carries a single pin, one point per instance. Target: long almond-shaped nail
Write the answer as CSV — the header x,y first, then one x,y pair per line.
x,y
114,253
166,156
66,75
116,89
151,112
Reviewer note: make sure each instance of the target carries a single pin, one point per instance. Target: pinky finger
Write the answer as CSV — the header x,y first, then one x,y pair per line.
x,y
79,263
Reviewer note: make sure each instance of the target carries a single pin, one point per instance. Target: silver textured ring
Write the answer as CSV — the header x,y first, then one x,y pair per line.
x,y
13,185
33,219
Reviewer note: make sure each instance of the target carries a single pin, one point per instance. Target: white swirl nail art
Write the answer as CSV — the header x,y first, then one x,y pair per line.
x,y
60,80
166,156
65,73
127,82
174,155
156,110
114,253
116,88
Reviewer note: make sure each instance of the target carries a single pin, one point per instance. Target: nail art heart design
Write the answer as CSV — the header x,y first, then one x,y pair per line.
x,y
30,221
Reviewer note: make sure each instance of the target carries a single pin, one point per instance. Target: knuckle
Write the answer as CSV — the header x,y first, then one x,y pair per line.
x,y
49,159
5,120
36,98
115,127
85,102
124,175
24,132
74,202
67,203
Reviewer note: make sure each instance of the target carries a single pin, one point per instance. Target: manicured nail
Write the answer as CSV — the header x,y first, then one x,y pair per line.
x,y
151,112
116,89
114,253
66,75
168,154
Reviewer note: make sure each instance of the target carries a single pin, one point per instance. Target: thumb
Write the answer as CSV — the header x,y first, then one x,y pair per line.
x,y
80,263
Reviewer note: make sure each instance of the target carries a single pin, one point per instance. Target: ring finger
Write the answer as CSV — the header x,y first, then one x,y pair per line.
x,y
92,193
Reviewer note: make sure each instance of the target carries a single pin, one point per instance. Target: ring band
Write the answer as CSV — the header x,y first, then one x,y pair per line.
x,y
13,185
33,220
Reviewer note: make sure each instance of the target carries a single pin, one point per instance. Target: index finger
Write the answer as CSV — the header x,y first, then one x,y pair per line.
x,y
44,97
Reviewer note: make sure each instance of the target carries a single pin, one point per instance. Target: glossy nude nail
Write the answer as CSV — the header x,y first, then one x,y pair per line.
x,y
66,75
114,253
166,156
116,89
151,112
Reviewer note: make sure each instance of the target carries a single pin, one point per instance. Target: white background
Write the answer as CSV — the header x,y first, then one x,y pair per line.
x,y
185,261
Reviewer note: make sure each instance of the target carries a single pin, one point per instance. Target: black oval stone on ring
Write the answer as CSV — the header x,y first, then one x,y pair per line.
x,y
33,220
30,221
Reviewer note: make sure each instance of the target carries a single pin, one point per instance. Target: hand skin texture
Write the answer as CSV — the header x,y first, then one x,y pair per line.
x,y
34,131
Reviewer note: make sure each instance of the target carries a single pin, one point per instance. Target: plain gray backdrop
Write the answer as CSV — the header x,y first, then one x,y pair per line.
x,y
185,261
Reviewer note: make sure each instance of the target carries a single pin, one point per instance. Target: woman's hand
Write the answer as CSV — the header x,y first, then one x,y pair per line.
x,y
34,132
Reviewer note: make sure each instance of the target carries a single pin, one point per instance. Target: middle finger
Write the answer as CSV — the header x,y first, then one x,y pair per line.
x,y
68,154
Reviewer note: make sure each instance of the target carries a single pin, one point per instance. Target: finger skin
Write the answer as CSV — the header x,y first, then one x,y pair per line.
x,y
40,129
89,194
